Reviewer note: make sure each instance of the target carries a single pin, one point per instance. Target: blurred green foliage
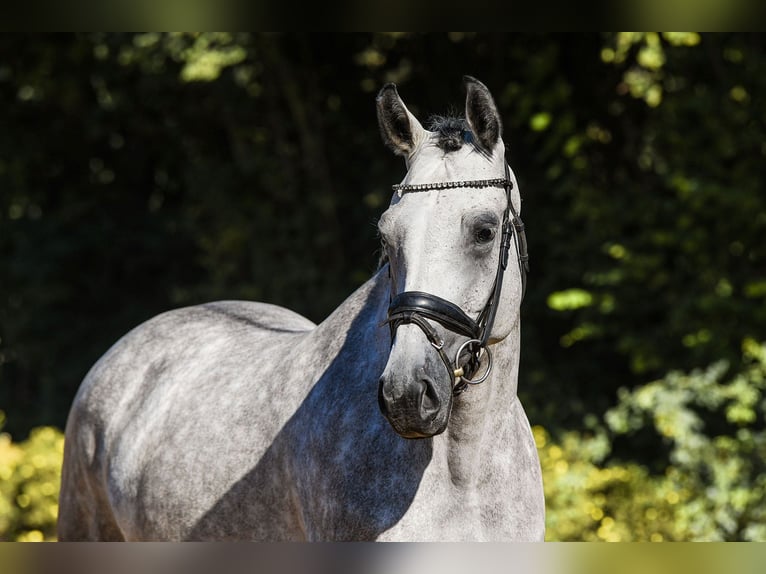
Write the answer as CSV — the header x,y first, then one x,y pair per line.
x,y
713,483
141,172
30,473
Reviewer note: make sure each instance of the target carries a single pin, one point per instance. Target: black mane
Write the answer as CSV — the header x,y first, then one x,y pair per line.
x,y
452,131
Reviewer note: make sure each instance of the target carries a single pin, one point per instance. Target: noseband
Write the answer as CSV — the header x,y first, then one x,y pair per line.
x,y
416,307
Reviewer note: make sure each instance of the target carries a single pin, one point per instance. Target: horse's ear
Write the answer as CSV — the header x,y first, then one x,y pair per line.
x,y
481,113
401,130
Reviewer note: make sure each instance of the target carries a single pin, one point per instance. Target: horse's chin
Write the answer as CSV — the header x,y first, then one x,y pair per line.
x,y
417,432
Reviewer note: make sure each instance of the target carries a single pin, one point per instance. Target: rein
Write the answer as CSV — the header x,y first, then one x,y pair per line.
x,y
417,307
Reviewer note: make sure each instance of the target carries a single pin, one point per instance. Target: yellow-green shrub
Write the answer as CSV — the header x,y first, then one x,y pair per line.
x,y
588,501
30,474
714,483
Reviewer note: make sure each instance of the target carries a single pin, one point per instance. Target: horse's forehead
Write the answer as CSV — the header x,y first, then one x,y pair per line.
x,y
468,162
432,165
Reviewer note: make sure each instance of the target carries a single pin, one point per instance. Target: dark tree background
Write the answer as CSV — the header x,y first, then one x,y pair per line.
x,y
143,172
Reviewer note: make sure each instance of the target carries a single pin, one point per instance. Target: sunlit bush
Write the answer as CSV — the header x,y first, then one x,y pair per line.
x,y
714,483
30,473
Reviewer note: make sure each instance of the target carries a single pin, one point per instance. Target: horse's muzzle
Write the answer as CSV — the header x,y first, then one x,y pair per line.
x,y
415,405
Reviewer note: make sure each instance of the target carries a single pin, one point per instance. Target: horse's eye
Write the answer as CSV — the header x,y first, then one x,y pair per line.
x,y
485,235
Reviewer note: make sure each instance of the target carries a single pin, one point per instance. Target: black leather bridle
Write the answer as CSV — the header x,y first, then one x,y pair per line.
x,y
417,307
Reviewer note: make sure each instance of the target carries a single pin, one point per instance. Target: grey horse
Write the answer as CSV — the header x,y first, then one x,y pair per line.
x,y
239,420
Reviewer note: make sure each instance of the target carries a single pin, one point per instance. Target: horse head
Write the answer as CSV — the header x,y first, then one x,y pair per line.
x,y
446,236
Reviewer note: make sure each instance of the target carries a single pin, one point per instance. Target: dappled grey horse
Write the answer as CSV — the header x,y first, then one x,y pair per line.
x,y
396,418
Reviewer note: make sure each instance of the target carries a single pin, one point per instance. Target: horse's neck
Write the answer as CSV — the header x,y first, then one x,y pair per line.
x,y
481,415
354,331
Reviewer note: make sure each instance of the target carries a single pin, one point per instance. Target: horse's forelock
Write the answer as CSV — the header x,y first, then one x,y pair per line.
x,y
452,132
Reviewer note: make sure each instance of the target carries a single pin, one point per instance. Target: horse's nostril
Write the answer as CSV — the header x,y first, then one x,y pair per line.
x,y
429,400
